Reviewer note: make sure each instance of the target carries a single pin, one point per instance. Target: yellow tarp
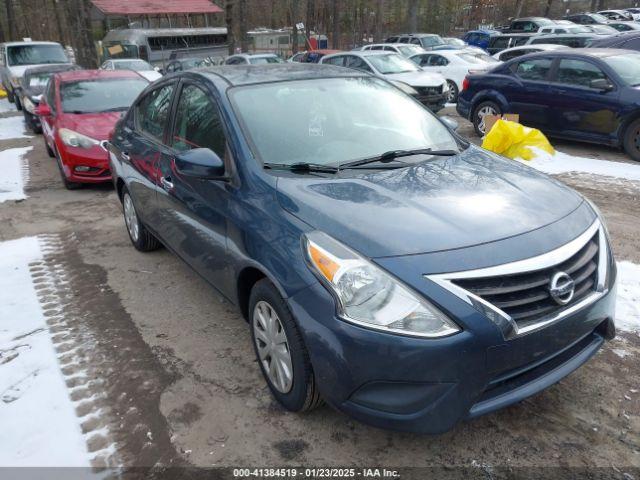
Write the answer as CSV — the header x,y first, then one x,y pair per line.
x,y
2,93
513,140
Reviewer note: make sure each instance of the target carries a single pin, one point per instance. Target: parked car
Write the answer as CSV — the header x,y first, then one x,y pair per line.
x,y
428,41
454,66
578,40
430,89
626,40
617,15
16,57
253,59
78,111
634,11
480,38
588,19
528,24
297,57
314,56
602,29
187,64
135,64
511,53
32,86
587,95
561,28
406,50
381,272
502,42
625,26
455,42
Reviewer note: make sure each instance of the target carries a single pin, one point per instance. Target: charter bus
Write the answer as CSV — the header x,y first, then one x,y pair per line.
x,y
155,45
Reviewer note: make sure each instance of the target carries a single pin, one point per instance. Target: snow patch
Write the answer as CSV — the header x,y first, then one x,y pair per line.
x,y
5,106
564,163
39,425
14,173
628,301
12,127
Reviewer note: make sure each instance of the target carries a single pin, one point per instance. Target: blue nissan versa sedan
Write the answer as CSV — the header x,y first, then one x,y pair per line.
x,y
384,264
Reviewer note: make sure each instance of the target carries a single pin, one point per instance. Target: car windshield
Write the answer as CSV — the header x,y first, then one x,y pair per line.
x,y
333,121
477,58
35,54
432,41
394,63
599,18
455,41
409,50
39,79
627,66
94,96
137,65
578,30
604,29
264,60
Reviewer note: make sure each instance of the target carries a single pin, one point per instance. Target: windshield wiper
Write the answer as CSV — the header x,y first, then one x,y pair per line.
x,y
302,167
395,154
114,109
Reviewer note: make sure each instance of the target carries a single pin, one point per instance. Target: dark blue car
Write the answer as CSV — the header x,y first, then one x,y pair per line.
x,y
590,95
383,264
480,38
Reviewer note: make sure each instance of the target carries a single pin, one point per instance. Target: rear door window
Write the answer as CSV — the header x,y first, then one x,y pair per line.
x,y
358,64
152,112
578,72
338,61
533,69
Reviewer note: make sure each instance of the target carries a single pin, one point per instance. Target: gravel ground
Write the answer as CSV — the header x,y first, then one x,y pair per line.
x,y
179,385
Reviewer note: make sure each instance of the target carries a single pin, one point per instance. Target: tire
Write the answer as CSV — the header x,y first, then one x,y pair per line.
x,y
631,140
50,152
452,96
28,119
483,109
65,181
300,392
18,103
10,97
140,237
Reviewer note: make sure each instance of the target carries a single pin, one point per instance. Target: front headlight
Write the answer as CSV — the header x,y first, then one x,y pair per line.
x,y
75,139
405,87
16,81
369,296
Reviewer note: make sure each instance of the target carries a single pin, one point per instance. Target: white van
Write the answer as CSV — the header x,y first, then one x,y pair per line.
x,y
16,57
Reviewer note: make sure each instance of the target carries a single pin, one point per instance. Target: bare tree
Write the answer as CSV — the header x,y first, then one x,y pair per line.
x,y
11,20
412,16
310,23
293,13
229,17
519,5
547,9
335,29
242,25
379,20
78,14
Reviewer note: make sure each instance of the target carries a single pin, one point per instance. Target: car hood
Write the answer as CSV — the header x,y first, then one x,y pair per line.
x,y
150,75
446,203
418,79
18,70
94,125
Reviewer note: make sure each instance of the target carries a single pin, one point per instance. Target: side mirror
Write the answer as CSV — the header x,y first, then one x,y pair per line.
x,y
601,84
200,163
450,123
43,110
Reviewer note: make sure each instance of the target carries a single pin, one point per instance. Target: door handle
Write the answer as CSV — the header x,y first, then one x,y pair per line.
x,y
166,182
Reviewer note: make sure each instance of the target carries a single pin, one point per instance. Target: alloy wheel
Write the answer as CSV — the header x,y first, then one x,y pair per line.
x,y
130,218
273,347
452,94
482,113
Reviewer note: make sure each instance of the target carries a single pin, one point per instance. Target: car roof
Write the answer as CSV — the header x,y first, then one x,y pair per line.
x,y
76,75
13,44
238,75
254,55
127,60
581,52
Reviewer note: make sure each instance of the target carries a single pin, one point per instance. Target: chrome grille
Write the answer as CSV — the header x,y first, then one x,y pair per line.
x,y
423,91
526,297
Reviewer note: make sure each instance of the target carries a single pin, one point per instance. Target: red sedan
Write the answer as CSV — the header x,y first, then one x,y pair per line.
x,y
78,111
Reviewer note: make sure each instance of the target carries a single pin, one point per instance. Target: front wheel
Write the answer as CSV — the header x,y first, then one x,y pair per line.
x,y
481,112
281,353
69,185
10,97
631,140
452,96
18,103
140,237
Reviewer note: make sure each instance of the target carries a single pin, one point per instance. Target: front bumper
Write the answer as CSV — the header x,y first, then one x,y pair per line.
x,y
96,159
429,385
435,103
